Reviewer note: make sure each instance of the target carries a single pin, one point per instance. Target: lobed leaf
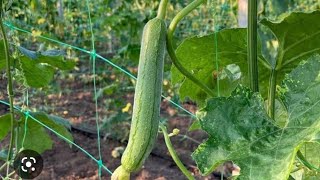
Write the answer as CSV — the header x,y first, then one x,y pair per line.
x,y
240,130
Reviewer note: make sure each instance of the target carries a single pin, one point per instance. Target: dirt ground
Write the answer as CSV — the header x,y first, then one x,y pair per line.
x,y
65,162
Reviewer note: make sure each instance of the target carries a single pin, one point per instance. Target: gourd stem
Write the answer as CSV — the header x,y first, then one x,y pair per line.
x,y
173,153
9,175
306,163
252,46
3,166
162,9
272,93
9,88
171,51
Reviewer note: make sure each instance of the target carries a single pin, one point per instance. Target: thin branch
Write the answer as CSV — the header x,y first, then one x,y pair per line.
x,y
10,87
173,153
184,12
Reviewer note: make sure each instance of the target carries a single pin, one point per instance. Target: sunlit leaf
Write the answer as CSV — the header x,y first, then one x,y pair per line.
x,y
298,37
240,130
198,56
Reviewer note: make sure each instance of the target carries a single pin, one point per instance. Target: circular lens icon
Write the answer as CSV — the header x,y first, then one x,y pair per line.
x,y
28,164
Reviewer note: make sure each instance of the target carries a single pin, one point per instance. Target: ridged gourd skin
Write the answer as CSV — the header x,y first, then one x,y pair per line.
x,y
147,99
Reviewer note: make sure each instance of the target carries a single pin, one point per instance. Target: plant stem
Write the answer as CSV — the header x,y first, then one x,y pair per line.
x,y
17,137
306,163
252,45
291,178
8,176
4,165
184,12
272,93
189,138
9,88
162,9
173,153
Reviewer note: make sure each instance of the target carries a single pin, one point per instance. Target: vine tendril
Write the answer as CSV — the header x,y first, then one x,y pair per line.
x,y
171,51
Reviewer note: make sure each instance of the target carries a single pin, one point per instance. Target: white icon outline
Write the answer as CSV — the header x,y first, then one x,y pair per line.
x,y
28,164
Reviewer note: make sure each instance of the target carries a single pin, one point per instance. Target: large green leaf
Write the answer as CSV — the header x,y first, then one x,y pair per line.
x,y
35,74
37,137
317,138
56,123
298,37
240,130
55,58
38,67
5,124
197,54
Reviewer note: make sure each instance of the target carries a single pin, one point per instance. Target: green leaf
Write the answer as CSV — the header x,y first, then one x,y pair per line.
x,y
311,153
240,130
298,37
37,137
55,58
5,124
195,126
3,154
281,114
197,54
38,67
36,75
56,123
300,92
60,121
30,54
316,138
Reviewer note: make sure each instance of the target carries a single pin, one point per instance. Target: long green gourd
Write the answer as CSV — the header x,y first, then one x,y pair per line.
x,y
147,98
